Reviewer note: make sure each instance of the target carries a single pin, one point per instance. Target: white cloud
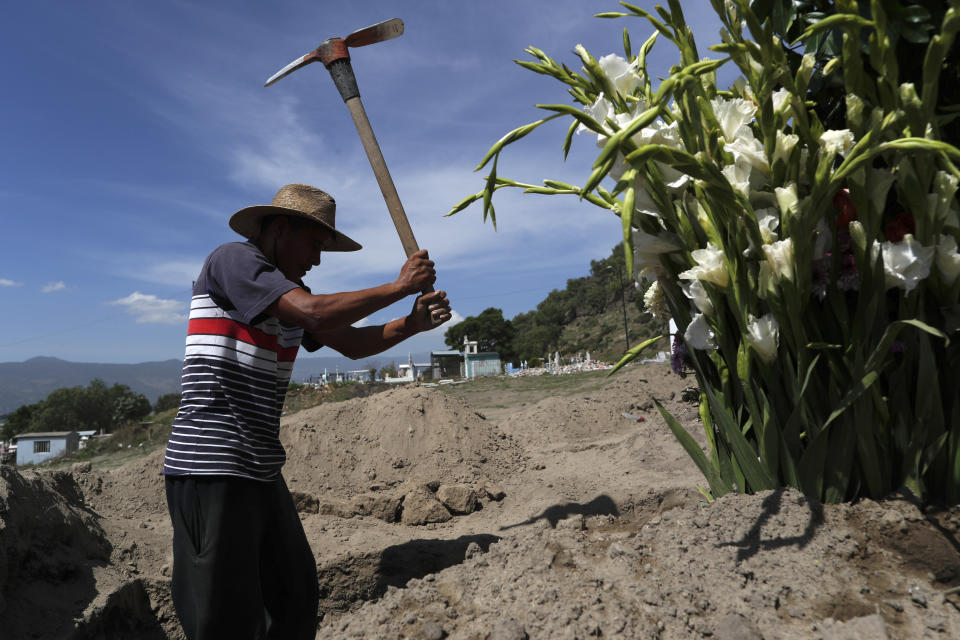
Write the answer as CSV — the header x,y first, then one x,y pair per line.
x,y
455,318
157,269
54,286
149,308
4,282
172,272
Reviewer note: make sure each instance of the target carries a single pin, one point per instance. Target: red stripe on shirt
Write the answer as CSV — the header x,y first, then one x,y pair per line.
x,y
287,355
233,329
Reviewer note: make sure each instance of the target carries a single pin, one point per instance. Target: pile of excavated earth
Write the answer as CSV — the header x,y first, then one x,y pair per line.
x,y
499,514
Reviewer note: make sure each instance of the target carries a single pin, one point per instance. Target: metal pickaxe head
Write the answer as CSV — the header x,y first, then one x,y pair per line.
x,y
334,49
334,55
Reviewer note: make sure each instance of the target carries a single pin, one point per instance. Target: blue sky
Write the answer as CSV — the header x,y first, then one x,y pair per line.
x,y
133,130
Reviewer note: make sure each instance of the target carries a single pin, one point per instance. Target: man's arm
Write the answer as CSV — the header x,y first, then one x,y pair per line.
x,y
429,310
323,313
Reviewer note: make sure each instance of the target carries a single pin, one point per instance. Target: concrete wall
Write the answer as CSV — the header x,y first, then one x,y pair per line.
x,y
59,444
481,364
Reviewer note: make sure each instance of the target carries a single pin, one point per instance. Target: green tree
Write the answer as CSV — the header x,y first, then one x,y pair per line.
x,y
491,331
389,370
20,420
537,341
129,407
166,401
95,406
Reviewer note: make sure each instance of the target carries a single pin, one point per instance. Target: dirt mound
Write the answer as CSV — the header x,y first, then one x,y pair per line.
x,y
132,490
766,566
615,406
342,449
50,544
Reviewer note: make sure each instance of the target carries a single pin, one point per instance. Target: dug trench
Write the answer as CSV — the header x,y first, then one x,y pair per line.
x,y
497,510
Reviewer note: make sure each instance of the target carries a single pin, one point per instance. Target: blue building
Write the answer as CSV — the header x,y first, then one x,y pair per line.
x,y
37,448
476,364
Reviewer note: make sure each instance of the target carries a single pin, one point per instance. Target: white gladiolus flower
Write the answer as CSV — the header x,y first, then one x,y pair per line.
x,y
746,146
837,141
675,179
788,199
710,267
699,335
668,135
656,303
698,294
948,260
659,132
905,263
647,249
781,100
649,243
600,110
744,89
619,165
643,202
807,64
624,75
732,114
763,335
768,221
786,142
780,256
738,175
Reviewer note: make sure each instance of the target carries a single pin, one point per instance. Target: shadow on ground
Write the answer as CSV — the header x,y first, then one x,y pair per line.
x,y
602,505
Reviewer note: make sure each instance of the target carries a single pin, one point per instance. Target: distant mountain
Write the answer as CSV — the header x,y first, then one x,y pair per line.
x,y
31,381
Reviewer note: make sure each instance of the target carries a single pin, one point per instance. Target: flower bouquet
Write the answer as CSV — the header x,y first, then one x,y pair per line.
x,y
799,228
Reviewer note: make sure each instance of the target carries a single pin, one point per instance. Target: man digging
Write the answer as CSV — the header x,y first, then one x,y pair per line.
x,y
242,567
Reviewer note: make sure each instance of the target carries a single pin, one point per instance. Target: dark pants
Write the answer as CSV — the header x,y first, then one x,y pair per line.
x,y
242,566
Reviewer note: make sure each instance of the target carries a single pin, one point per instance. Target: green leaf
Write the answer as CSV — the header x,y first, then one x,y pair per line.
x,y
645,51
882,350
463,204
851,397
488,193
598,174
568,140
745,454
836,21
581,117
717,485
510,138
633,353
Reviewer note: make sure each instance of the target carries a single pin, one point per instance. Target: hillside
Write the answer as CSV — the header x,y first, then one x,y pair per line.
x,y
31,381
603,334
587,315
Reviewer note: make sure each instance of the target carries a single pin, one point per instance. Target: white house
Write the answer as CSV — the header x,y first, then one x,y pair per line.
x,y
37,448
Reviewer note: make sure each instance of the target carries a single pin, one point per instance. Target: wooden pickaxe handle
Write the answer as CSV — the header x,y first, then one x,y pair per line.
x,y
379,165
342,73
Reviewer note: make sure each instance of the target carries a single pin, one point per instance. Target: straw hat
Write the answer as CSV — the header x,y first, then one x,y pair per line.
x,y
300,200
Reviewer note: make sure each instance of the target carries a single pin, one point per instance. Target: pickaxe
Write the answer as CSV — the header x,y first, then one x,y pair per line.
x,y
334,55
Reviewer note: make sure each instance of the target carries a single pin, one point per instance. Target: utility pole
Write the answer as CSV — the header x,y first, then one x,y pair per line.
x,y
623,303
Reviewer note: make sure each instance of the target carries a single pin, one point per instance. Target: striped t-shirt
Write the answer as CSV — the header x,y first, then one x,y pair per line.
x,y
236,370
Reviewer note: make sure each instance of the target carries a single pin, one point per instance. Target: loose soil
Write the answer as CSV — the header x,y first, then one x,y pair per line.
x,y
600,530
